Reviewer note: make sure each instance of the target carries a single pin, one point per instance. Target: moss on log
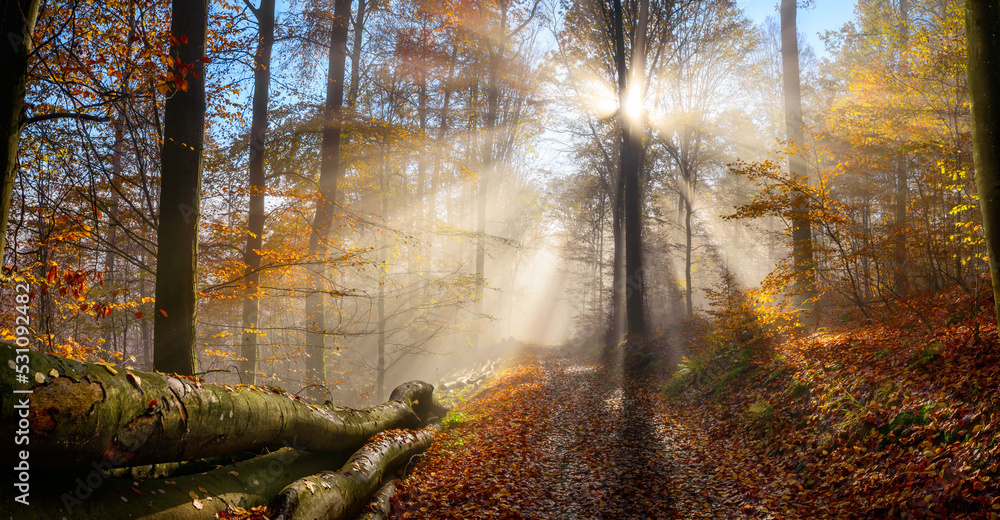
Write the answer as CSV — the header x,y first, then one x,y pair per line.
x,y
380,506
85,413
335,495
98,495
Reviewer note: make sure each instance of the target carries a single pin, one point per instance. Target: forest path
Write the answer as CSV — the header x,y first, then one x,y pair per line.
x,y
557,437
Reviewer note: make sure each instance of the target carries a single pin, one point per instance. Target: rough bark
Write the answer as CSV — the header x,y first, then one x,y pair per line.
x,y
380,506
81,413
174,335
255,218
18,25
331,170
982,22
97,494
338,494
802,251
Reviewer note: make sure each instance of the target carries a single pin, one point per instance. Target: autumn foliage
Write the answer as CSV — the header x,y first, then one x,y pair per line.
x,y
893,417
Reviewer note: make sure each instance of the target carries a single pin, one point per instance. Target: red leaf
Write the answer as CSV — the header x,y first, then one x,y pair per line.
x,y
163,312
138,315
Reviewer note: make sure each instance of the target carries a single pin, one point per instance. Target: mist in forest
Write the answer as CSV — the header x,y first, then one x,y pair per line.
x,y
471,205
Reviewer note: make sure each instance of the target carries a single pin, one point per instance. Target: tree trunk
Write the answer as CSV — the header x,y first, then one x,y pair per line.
x,y
631,164
336,495
899,244
255,220
380,506
331,170
144,332
382,275
359,26
380,363
802,251
442,132
982,25
174,334
18,25
97,494
492,108
415,253
97,413
107,327
688,250
616,327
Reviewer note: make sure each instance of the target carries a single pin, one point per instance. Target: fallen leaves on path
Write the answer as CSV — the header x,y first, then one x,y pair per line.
x,y
556,438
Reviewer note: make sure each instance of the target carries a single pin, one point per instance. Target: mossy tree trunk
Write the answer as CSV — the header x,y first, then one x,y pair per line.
x,y
83,413
96,494
341,493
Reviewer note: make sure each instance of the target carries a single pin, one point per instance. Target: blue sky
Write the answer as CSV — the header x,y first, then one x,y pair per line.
x,y
825,16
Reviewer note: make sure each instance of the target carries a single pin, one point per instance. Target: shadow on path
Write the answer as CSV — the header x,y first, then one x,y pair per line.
x,y
605,460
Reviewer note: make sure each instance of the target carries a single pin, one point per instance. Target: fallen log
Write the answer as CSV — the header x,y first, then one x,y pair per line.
x,y
176,469
84,413
380,505
99,495
336,495
479,374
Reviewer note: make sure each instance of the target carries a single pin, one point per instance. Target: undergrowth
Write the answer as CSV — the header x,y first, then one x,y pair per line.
x,y
894,418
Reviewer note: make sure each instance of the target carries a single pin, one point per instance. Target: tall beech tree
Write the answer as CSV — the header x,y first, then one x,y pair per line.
x,y
17,26
631,75
623,45
255,220
802,250
174,336
982,25
331,171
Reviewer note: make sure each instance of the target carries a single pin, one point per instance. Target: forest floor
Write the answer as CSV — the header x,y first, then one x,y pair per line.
x,y
897,416
555,437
